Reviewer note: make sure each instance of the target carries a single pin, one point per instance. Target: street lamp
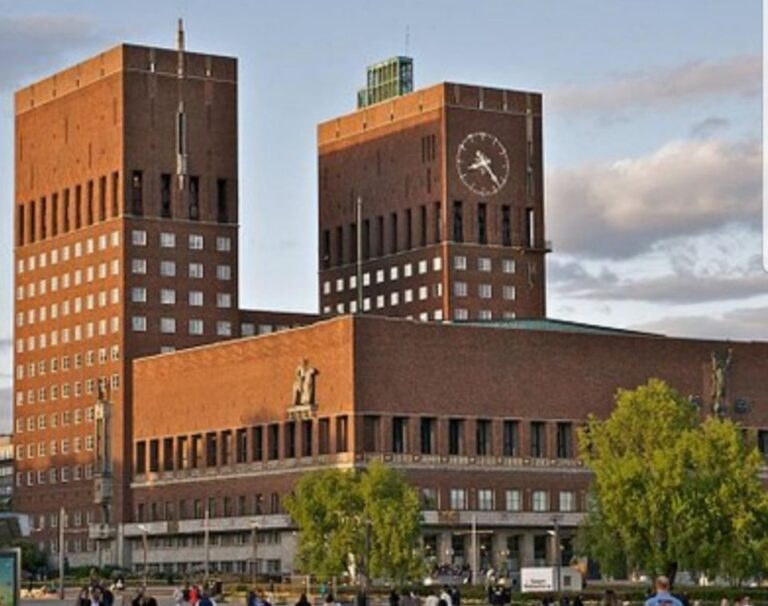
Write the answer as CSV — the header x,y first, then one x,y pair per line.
x,y
255,525
144,530
555,534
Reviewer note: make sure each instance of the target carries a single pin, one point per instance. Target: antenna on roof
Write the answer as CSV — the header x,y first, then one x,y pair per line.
x,y
180,35
407,39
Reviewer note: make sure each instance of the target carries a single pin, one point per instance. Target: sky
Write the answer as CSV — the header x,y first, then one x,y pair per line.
x,y
652,139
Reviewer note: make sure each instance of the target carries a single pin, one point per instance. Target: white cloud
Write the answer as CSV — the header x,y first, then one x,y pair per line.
x,y
739,75
621,209
747,324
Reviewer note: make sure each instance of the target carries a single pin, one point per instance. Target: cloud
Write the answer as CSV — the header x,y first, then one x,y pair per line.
x,y
621,209
31,45
749,324
709,127
738,75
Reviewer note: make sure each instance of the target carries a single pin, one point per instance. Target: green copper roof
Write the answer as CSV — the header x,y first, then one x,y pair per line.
x,y
551,324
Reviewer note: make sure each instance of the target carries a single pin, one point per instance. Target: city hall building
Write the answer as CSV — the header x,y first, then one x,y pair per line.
x,y
155,411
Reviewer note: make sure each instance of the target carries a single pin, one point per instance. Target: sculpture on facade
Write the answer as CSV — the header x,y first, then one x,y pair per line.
x,y
304,384
721,366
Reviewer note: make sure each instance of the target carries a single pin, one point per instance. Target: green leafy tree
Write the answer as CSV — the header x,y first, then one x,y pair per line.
x,y
373,513
672,491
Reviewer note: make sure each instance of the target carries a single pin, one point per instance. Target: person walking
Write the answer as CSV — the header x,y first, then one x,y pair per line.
x,y
663,597
303,601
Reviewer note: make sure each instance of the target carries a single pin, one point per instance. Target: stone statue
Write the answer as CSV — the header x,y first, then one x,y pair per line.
x,y
102,387
304,384
721,366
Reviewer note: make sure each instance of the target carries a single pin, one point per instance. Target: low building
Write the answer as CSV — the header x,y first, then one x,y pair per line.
x,y
481,419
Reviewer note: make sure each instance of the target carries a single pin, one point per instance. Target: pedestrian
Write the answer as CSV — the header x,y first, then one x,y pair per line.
x,y
432,599
445,596
96,596
663,597
330,600
83,598
455,596
394,598
206,600
303,601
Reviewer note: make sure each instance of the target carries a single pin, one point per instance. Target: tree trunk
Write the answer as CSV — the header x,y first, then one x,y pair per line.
x,y
671,572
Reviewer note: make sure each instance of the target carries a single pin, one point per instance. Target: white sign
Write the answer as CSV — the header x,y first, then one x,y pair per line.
x,y
544,579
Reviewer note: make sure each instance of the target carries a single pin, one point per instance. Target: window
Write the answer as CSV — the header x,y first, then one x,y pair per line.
x,y
530,228
484,291
459,262
483,437
482,225
223,244
485,499
484,264
455,436
566,501
399,434
510,438
195,298
165,196
458,222
508,266
139,323
458,499
342,437
168,326
540,500
194,196
508,293
222,212
762,442
167,240
564,440
428,437
167,268
513,501
224,328
137,196
138,266
538,439
196,270
460,289
195,242
139,237
429,498
196,327
460,314
223,300
167,296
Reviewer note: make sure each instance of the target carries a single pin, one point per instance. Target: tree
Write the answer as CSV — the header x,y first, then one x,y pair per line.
x,y
672,490
373,513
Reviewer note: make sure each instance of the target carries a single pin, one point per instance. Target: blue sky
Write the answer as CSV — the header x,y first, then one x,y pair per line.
x,y
652,133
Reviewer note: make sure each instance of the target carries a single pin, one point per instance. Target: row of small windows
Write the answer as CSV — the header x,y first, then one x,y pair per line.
x,y
380,275
40,368
77,333
67,210
195,298
192,197
77,249
215,507
168,240
66,417
489,499
195,326
195,270
76,305
63,391
393,300
76,278
340,246
39,449
461,314
71,519
54,475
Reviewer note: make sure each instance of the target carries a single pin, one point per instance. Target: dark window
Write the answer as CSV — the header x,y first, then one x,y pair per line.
x,y
257,443
273,441
370,433
198,509
290,440
167,454
137,195
197,451
258,503
379,236
140,512
341,434
21,224
181,134
538,439
399,434
455,436
115,194
506,226
438,223
55,214
427,435
423,234
78,206
540,547
228,509
530,228
210,449
165,196
324,436
194,198
141,457
306,438
242,506
367,239
102,198
393,233
564,440
274,503
241,451
89,204
212,512
408,229
762,442
326,252
183,512
43,218
339,246
222,208
483,437
182,453
154,456
482,225
511,439
458,222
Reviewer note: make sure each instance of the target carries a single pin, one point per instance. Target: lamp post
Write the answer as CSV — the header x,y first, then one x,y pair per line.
x,y
144,530
206,546
62,544
558,557
254,544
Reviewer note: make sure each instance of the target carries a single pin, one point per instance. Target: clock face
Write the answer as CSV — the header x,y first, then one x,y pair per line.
x,y
483,163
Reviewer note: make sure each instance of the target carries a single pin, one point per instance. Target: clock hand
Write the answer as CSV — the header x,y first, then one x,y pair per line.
x,y
493,176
